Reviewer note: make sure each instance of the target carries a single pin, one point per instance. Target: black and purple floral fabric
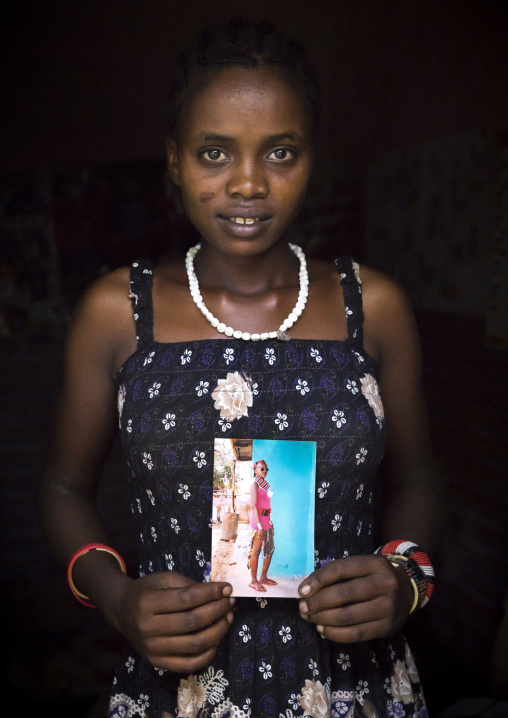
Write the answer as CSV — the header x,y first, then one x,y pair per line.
x,y
173,400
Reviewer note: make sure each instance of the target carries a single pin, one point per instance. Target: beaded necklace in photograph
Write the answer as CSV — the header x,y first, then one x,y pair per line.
x,y
281,333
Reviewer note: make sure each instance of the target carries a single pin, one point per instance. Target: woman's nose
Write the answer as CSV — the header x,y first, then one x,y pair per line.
x,y
248,180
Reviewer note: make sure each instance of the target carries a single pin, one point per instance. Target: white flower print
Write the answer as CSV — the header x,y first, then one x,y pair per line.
x,y
255,389
316,558
351,385
401,684
148,359
361,689
360,457
169,561
154,389
175,526
214,685
200,557
359,491
147,459
245,634
336,522
344,661
359,358
129,426
247,706
359,527
349,312
270,356
199,458
315,700
313,667
229,355
294,700
154,534
285,632
338,418
184,490
169,421
281,421
130,664
370,390
224,424
202,388
323,489
266,670
120,403
139,506
143,701
387,686
316,355
150,496
302,387
233,396
262,602
191,697
186,356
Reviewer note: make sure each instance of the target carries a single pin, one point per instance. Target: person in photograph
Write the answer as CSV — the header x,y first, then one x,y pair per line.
x,y
262,540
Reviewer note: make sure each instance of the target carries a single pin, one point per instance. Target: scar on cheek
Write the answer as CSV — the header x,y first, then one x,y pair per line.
x,y
206,196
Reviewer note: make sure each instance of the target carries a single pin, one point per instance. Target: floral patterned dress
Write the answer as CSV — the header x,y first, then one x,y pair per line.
x,y
174,399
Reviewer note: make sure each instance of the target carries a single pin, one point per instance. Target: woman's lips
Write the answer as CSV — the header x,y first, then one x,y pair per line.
x,y
243,226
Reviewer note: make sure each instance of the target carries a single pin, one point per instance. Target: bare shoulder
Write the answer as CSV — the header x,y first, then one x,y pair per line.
x,y
103,320
389,321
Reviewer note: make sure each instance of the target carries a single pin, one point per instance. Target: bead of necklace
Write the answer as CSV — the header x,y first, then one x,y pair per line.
x,y
281,333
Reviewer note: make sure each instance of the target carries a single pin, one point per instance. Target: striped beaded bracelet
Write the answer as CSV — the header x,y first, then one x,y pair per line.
x,y
418,567
85,600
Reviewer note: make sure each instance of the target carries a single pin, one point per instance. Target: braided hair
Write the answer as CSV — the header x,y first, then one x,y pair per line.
x,y
244,43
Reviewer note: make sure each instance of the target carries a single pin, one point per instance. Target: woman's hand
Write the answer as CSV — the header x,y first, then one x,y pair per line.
x,y
174,622
357,598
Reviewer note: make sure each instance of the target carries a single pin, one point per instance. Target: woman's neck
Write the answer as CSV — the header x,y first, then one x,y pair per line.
x,y
250,276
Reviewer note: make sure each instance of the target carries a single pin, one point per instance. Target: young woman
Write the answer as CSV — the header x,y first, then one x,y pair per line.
x,y
262,528
247,338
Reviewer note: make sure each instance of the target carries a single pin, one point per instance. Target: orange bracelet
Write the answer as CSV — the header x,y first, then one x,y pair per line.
x,y
85,600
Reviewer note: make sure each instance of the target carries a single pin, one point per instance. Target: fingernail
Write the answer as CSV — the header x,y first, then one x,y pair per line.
x,y
320,629
303,606
305,590
230,617
227,590
232,600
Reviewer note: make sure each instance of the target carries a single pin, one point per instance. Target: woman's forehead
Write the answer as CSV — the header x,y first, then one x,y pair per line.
x,y
241,98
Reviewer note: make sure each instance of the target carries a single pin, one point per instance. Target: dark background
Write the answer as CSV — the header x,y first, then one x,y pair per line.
x,y
83,96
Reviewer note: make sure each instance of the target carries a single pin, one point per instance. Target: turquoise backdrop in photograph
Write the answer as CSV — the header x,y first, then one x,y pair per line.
x,y
292,478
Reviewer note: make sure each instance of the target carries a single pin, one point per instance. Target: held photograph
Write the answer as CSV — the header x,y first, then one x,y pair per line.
x,y
263,515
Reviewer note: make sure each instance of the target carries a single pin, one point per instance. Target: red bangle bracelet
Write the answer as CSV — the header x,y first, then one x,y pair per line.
x,y
85,600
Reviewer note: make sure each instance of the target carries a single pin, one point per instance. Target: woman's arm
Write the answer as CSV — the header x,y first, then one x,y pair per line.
x,y
253,491
173,621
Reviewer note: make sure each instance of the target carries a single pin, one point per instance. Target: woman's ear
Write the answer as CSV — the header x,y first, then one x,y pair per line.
x,y
174,171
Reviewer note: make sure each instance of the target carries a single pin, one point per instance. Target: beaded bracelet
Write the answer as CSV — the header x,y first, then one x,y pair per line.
x,y
85,600
417,565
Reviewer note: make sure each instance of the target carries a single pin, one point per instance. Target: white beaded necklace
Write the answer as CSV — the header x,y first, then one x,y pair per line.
x,y
281,333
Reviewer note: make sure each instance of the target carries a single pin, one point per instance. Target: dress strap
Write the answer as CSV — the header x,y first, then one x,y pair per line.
x,y
140,294
352,289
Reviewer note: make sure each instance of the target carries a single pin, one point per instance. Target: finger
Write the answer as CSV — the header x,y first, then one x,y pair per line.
x,y
190,644
352,615
175,624
186,598
341,570
359,633
349,592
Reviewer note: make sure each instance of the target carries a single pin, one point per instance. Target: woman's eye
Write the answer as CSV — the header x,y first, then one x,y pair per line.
x,y
214,155
281,154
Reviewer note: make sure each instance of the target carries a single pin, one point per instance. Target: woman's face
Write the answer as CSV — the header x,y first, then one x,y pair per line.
x,y
261,469
242,159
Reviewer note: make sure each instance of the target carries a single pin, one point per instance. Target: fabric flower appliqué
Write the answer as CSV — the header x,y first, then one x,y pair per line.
x,y
314,700
370,390
233,396
191,697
